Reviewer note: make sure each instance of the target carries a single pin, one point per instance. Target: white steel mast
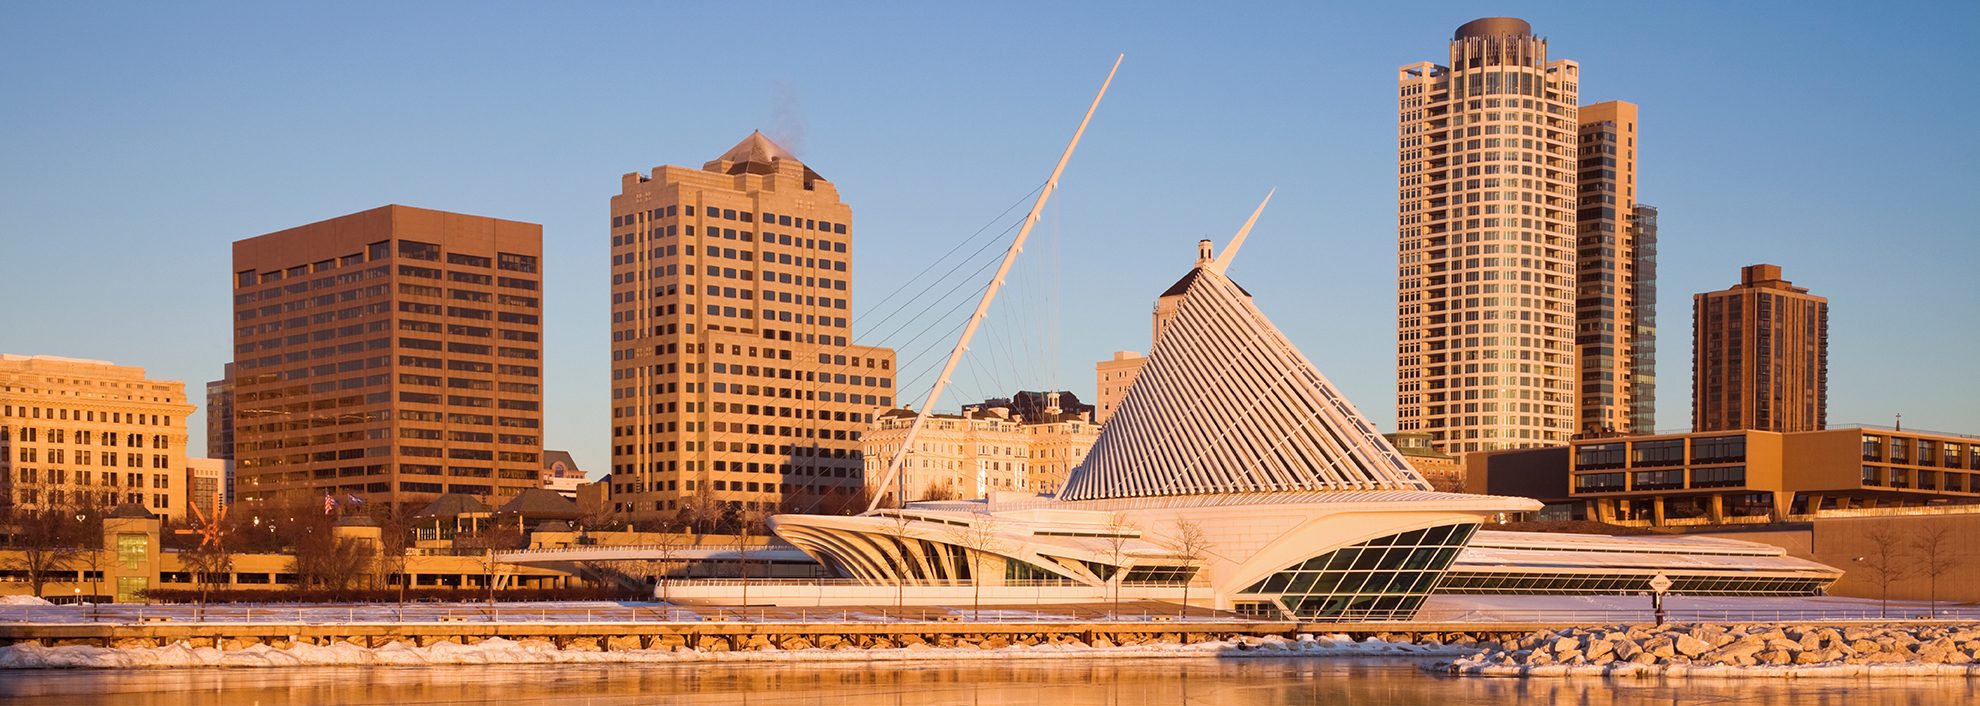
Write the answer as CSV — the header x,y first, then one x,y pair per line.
x,y
983,306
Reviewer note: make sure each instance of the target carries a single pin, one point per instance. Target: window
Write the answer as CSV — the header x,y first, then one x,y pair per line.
x,y
418,250
1730,477
1599,456
1657,480
1662,452
1381,579
1718,449
1598,482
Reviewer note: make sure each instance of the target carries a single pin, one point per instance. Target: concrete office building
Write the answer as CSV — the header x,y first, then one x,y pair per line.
x,y
734,380
86,432
1486,220
1760,356
393,354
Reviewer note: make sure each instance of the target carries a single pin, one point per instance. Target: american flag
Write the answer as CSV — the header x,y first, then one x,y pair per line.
x,y
329,504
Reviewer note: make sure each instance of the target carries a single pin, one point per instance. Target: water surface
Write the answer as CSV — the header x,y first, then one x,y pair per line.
x,y
1072,681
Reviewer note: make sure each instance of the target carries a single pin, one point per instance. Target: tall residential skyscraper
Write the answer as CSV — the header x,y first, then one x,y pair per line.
x,y
86,432
1607,275
734,381
393,354
1760,356
1486,219
1643,348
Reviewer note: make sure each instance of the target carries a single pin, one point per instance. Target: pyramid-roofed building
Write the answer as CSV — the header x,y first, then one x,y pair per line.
x,y
1235,468
1227,405
757,154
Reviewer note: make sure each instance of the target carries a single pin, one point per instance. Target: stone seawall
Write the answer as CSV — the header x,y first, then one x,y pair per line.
x,y
1744,649
714,636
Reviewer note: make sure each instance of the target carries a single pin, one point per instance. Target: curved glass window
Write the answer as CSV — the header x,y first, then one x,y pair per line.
x,y
1385,578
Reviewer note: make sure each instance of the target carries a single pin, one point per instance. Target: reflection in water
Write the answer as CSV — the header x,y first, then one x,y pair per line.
x,y
1071,681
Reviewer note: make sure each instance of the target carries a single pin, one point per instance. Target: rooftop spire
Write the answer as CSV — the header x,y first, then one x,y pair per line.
x,y
758,149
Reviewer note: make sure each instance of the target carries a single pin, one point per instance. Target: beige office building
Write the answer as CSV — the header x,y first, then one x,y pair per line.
x,y
84,432
1505,188
734,377
988,448
1760,356
1111,378
393,354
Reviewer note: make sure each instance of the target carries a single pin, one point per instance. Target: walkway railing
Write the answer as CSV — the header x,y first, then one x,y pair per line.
x,y
1130,612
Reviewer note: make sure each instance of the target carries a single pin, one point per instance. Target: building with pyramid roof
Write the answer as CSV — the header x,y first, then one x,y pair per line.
x,y
1234,468
735,382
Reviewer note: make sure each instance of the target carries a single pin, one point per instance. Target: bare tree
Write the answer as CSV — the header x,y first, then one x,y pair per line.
x,y
938,490
1193,545
747,519
672,543
897,529
491,538
48,541
323,559
396,530
1938,550
700,512
212,556
1120,531
1887,561
977,539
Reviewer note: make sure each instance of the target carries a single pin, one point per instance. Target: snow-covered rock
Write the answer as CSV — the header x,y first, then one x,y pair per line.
x,y
1731,651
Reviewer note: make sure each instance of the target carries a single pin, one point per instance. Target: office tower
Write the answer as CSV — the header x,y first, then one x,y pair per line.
x,y
86,433
734,382
1607,276
1760,356
1643,320
220,427
393,355
1486,220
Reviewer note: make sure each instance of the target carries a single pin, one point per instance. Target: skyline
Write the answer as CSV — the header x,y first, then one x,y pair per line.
x,y
1172,122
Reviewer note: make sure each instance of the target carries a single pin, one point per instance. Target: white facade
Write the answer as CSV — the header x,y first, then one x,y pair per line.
x,y
1232,468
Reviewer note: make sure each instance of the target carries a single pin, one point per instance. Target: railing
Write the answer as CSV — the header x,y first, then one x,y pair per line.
x,y
1129,613
467,613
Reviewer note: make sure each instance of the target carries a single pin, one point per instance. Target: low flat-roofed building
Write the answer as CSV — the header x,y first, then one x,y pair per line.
x,y
1735,477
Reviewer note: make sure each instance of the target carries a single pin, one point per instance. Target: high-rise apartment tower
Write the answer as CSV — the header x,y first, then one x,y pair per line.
x,y
1611,282
735,384
1760,356
1486,220
393,355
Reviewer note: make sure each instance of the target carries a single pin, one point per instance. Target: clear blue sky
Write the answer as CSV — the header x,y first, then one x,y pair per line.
x,y
137,141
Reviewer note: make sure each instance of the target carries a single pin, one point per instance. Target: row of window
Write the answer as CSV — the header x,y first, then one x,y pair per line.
x,y
745,216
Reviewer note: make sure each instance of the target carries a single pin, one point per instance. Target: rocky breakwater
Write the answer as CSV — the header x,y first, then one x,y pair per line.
x,y
1738,650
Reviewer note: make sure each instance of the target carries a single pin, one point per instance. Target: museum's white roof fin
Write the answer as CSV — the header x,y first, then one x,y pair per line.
x,y
1226,404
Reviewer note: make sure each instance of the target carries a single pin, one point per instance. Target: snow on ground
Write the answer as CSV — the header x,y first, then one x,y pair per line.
x,y
22,600
500,651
